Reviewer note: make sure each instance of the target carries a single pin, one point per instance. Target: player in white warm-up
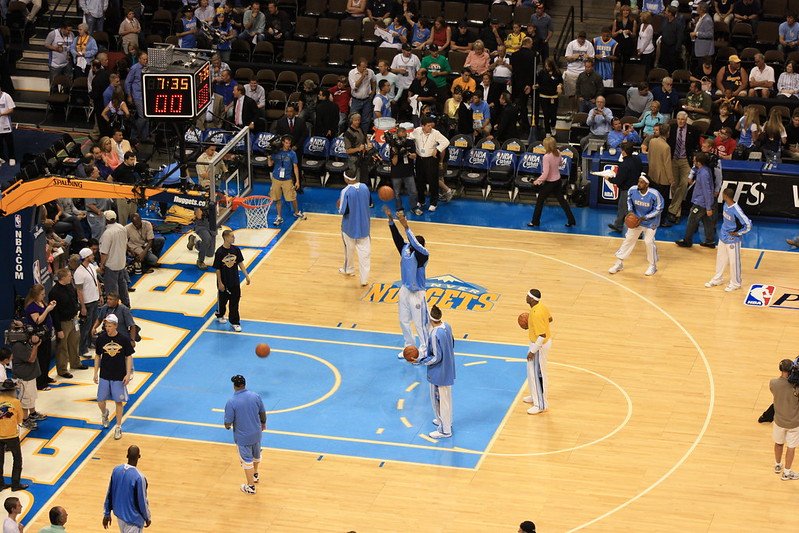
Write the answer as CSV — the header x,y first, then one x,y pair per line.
x,y
353,204
646,204
412,294
734,224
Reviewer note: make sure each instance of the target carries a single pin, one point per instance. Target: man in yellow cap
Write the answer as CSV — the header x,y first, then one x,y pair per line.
x,y
733,76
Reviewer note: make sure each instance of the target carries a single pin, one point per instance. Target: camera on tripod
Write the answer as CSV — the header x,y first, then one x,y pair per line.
x,y
19,332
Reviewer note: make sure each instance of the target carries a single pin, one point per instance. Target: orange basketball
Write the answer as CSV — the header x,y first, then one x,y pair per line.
x,y
262,350
410,353
631,220
385,193
523,318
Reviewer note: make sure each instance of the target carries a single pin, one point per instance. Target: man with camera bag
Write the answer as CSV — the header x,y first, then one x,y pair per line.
x,y
25,349
360,152
403,157
9,433
786,419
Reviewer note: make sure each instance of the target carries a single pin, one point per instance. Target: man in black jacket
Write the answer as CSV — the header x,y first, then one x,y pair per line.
x,y
684,141
627,176
521,63
245,110
65,321
326,124
508,126
292,126
100,83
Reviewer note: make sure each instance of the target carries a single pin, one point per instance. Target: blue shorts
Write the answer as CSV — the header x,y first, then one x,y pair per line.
x,y
111,390
249,454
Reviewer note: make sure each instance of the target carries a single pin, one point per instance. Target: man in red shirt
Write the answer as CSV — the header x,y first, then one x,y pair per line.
x,y
340,94
724,144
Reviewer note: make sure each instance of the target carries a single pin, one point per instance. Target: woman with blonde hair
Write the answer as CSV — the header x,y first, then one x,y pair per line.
x,y
550,183
749,127
110,156
773,138
37,314
478,59
646,46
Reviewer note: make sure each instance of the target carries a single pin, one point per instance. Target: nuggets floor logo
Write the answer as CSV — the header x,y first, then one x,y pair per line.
x,y
761,295
447,292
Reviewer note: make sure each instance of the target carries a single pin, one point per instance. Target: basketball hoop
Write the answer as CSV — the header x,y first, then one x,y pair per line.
x,y
256,209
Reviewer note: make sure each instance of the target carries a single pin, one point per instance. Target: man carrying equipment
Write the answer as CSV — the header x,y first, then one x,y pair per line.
x,y
540,343
412,294
647,205
440,362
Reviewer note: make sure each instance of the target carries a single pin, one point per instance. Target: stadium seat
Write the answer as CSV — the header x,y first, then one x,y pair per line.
x,y
266,78
329,79
276,101
338,55
368,36
315,8
314,158
474,173
313,76
59,95
240,51
264,52
430,9
503,13
502,172
79,98
243,75
454,13
287,81
362,51
327,29
350,31
305,28
293,52
316,54
338,8
767,35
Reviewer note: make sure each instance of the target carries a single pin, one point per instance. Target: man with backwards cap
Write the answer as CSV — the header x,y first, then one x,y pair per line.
x,y
353,205
113,370
540,335
440,362
245,413
647,204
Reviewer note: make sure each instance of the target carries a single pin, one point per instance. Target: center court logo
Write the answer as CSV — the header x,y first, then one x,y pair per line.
x,y
761,295
447,292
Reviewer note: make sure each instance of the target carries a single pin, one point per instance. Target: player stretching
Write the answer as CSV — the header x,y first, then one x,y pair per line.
x,y
440,362
733,225
540,343
646,204
412,295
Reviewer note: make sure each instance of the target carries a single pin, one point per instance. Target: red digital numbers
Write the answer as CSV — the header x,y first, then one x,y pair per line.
x,y
203,96
168,104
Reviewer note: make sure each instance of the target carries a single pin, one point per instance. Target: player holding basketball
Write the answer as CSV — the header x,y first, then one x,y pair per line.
x,y
245,413
647,205
353,205
440,362
412,294
540,343
734,224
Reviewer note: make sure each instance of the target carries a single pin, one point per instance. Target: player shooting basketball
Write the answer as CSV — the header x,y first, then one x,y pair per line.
x,y
412,294
644,206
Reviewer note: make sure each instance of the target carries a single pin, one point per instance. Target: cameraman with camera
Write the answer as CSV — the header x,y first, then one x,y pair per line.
x,y
25,344
403,158
360,151
786,417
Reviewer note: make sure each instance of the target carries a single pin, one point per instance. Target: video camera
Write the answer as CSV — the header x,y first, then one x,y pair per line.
x,y
793,379
399,146
19,332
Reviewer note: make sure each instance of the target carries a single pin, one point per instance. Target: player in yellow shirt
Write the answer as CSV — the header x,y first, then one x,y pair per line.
x,y
540,343
10,420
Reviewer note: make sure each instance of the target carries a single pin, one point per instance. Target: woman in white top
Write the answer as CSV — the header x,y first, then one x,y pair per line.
x,y
645,47
6,131
788,82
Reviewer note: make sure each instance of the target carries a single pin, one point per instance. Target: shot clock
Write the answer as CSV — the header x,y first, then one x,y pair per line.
x,y
176,93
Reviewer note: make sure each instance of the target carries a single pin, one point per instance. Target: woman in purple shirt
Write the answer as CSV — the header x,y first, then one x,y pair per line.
x,y
37,314
550,183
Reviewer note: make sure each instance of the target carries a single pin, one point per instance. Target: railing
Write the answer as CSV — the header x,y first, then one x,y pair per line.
x,y
54,11
566,33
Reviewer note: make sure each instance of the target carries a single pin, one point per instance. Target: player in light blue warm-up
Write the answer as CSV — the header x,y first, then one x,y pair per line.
x,y
412,294
245,413
353,205
440,362
646,204
126,497
734,224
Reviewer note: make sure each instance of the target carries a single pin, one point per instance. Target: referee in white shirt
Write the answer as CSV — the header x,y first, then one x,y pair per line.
x,y
431,148
362,87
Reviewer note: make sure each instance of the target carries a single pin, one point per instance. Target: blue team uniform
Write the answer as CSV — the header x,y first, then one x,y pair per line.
x,y
127,496
190,40
413,260
733,221
440,358
647,206
604,67
243,411
412,294
354,205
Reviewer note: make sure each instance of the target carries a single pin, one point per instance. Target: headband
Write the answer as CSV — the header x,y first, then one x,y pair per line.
x,y
533,296
643,177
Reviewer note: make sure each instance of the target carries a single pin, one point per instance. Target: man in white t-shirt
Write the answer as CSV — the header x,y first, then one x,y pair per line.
x,y
577,52
14,508
384,73
6,131
500,68
88,285
761,78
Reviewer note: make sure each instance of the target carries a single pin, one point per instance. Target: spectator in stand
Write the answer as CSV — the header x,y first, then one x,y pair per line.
x,y
630,168
66,324
205,12
638,99
492,35
37,314
625,31
362,87
116,114
605,49
143,244
396,34
7,107
508,123
357,9
667,96
577,51
588,87
381,102
133,89
500,67
306,105
93,14
747,11
423,90
110,156
703,73
697,104
278,23
113,260
381,9
327,115
59,42
114,83
459,114
225,90
384,73
223,25
257,93
543,29
773,138
788,82
649,118
761,79
88,285
514,39
490,92
550,183
599,121
254,23
481,116
645,48
438,70
340,95
465,81
99,83
478,59
789,34
217,67
684,140
201,238
405,65
188,24
792,137
703,34
83,50
522,82
748,128
654,7
621,133
672,35
724,144
463,38
723,119
723,11
440,35
420,33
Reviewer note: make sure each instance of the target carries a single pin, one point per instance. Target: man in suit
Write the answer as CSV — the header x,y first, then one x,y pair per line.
x,y
292,126
245,110
683,140
522,80
508,126
626,176
490,92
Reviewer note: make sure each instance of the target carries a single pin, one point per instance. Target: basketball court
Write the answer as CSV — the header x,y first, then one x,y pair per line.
x,y
656,385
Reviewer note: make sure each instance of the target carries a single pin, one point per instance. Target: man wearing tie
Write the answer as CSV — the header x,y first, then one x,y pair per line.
x,y
292,126
684,140
245,109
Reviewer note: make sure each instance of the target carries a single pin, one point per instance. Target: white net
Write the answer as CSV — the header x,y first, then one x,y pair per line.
x,y
257,210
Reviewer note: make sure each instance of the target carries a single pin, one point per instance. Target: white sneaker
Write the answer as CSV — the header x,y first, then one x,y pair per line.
x,y
651,270
12,162
730,288
248,489
401,355
221,320
342,271
117,432
617,267
236,328
778,468
255,477
712,283
789,475
527,399
431,208
104,420
438,435
535,411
